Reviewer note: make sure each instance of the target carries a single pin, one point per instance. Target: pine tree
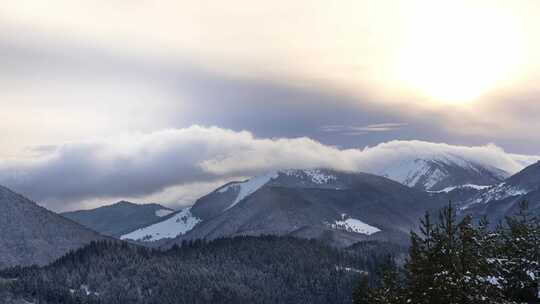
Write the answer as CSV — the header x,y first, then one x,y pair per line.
x,y
520,256
446,279
419,267
390,290
476,282
361,291
464,263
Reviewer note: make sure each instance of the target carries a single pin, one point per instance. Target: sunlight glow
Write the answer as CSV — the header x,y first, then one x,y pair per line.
x,y
454,53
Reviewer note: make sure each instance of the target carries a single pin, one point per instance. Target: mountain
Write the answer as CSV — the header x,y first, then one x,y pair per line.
x,y
441,171
30,234
502,200
296,201
120,218
338,207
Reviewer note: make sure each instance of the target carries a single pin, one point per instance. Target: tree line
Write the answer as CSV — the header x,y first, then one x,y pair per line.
x,y
266,269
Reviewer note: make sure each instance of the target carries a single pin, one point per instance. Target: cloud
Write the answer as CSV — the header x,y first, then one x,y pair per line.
x,y
92,92
55,89
170,164
362,130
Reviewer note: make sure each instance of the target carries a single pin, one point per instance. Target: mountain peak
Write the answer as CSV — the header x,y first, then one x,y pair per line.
x,y
440,172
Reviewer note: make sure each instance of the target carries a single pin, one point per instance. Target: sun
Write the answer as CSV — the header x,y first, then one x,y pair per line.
x,y
455,53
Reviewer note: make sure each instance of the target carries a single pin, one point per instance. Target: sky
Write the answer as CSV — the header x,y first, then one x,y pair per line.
x,y
164,100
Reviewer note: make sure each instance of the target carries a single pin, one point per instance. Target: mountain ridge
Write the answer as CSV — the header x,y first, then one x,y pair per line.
x,y
312,203
504,199
119,218
205,219
442,172
31,234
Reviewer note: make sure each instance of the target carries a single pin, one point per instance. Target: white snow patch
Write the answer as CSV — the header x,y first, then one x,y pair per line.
x,y
87,290
319,177
353,225
350,269
470,186
84,288
248,187
178,224
163,212
316,176
476,187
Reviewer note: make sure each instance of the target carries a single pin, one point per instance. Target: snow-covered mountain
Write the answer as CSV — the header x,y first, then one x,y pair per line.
x,y
444,174
335,206
436,166
334,196
119,218
30,234
503,199
441,172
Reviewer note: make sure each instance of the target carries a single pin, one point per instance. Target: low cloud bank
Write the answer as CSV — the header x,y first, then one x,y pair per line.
x,y
144,165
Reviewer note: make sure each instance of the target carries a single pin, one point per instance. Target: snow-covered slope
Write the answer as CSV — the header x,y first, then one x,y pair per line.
x,y
243,189
175,225
440,172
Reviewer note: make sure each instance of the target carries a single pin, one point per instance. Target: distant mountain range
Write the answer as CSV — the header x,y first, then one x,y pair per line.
x,y
337,207
120,218
344,207
30,234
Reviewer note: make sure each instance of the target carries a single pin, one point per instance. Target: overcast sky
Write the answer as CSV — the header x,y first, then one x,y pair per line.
x,y
83,80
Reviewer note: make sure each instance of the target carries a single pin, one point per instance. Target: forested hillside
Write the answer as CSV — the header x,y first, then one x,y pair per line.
x,y
238,270
31,234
